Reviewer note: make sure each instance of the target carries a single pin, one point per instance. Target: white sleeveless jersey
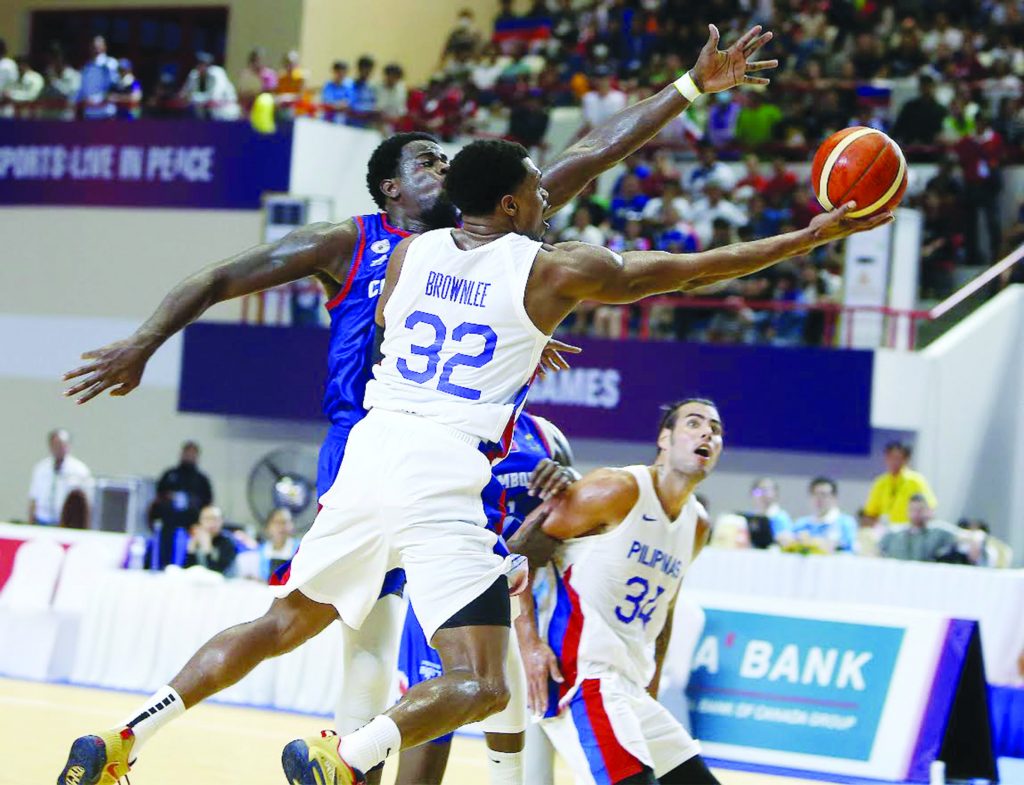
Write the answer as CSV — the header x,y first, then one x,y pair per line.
x,y
459,347
614,590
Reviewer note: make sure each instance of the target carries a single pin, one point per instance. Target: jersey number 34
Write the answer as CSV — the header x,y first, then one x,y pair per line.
x,y
640,605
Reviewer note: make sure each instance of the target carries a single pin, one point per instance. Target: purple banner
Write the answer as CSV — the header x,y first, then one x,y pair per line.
x,y
143,163
813,400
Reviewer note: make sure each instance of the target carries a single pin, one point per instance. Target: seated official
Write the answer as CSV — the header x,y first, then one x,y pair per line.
x,y
827,527
208,546
919,541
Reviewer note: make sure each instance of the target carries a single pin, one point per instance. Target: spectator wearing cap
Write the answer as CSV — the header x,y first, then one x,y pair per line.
x,y
362,95
709,168
99,76
920,119
600,103
127,92
392,97
892,491
257,77
827,525
337,93
919,541
54,479
28,86
209,91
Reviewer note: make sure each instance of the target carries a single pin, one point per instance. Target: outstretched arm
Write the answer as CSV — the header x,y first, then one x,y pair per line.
x,y
323,250
586,272
633,127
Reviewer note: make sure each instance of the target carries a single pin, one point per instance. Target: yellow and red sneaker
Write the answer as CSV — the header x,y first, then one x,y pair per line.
x,y
98,760
316,761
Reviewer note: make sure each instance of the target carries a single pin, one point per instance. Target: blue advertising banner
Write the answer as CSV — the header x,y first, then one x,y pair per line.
x,y
792,684
794,399
143,163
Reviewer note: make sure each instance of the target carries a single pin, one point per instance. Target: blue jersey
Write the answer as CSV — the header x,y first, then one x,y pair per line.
x,y
529,447
350,353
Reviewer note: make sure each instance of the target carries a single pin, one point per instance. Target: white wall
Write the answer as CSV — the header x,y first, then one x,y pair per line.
x,y
972,439
75,279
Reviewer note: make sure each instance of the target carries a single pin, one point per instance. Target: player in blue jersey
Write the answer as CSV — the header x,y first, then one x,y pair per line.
x,y
537,467
405,178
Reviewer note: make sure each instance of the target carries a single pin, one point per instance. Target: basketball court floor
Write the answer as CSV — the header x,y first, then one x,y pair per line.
x,y
210,745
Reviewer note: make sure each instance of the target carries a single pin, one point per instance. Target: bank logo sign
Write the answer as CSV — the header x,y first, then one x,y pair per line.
x,y
791,684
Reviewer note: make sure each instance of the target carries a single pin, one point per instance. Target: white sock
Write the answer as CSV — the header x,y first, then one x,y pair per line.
x,y
163,706
505,768
371,744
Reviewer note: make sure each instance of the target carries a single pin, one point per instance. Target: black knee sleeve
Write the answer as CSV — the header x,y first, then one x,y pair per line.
x,y
693,772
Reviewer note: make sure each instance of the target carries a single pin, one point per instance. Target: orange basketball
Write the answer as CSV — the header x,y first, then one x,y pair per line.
x,y
861,165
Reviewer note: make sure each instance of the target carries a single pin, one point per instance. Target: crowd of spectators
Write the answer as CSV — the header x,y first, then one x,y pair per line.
x,y
944,77
897,521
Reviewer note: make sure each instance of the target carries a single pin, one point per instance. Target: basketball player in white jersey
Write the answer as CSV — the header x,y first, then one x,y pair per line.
x,y
621,541
466,314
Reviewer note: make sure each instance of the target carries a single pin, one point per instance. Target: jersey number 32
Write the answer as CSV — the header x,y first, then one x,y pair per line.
x,y
432,354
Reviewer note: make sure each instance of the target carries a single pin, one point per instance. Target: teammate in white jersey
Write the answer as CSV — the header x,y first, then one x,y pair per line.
x,y
466,314
621,541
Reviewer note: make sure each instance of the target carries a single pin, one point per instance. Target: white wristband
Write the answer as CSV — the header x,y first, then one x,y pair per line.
x,y
687,87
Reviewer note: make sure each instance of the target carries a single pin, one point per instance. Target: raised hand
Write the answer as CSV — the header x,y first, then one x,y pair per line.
x,y
116,367
837,224
717,70
551,359
549,479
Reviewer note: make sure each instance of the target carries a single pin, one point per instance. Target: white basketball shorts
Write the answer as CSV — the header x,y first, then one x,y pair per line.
x,y
407,495
609,729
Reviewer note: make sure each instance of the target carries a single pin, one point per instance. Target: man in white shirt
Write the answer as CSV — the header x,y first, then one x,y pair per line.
x,y
29,84
714,205
602,102
709,168
209,90
54,478
8,68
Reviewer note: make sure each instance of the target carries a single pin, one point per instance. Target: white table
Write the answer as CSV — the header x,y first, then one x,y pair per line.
x,y
994,597
140,628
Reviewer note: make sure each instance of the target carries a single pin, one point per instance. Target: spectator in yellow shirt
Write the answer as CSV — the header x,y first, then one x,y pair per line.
x,y
891,492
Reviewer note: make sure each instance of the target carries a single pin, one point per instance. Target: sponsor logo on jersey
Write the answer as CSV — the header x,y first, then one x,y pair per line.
x,y
379,260
647,517
381,246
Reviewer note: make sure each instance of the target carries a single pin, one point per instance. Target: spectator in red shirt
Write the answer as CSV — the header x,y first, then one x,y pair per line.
x,y
981,156
752,177
782,182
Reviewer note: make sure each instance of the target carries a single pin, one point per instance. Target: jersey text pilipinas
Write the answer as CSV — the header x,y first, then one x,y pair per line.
x,y
614,590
